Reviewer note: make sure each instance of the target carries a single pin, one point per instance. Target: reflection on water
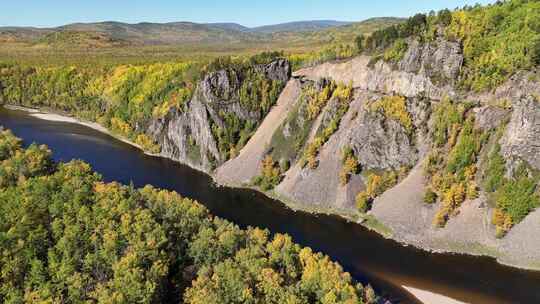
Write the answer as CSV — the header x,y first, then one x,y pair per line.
x,y
366,255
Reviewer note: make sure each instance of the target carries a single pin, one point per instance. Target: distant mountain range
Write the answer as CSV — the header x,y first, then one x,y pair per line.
x,y
112,33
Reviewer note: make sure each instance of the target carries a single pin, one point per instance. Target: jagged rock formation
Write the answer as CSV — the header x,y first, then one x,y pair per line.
x,y
413,76
381,143
186,135
522,138
320,189
425,76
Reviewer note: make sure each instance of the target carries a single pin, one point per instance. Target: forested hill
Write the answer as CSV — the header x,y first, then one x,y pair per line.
x,y
69,237
173,33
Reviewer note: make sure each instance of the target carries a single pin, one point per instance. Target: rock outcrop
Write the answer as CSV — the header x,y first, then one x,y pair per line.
x,y
425,71
185,135
381,143
427,74
522,138
242,169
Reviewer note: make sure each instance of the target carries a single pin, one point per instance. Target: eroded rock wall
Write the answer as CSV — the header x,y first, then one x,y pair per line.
x,y
185,135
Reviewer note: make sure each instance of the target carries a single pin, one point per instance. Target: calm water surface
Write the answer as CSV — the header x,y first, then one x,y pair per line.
x,y
366,255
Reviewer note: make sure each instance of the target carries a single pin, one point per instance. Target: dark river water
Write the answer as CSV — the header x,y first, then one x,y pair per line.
x,y
367,256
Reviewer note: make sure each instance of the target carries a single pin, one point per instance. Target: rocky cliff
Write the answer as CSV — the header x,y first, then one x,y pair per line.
x,y
186,135
389,138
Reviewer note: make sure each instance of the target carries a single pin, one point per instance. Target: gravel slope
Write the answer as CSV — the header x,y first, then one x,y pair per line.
x,y
246,165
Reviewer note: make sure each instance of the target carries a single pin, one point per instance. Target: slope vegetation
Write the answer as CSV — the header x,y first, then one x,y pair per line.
x,y
438,146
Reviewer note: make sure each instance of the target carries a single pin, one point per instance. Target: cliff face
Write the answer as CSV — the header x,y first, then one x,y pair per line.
x,y
366,126
522,139
428,70
186,135
427,74
379,143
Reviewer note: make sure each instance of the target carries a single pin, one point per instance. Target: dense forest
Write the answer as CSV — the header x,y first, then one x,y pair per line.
x,y
68,237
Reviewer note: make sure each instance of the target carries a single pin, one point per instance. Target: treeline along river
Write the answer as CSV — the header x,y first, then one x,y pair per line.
x,y
369,257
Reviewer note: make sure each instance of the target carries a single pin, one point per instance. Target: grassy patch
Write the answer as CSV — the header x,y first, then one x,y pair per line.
x,y
373,223
298,127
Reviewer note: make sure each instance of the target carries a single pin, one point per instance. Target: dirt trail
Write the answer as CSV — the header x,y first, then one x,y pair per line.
x,y
246,165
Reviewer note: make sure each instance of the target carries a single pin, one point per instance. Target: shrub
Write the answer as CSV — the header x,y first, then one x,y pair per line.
x,y
396,52
270,174
317,100
447,119
515,197
363,202
440,219
394,107
454,178
494,174
284,165
377,185
343,93
350,166
147,144
518,198
502,221
463,154
430,197
535,51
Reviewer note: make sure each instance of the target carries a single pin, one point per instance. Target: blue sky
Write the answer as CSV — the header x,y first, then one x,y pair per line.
x,y
44,13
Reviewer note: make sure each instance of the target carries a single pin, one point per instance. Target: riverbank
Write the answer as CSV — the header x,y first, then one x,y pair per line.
x,y
369,222
62,117
429,297
367,256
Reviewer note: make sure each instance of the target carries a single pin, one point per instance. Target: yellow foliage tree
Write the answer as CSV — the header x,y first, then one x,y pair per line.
x,y
394,107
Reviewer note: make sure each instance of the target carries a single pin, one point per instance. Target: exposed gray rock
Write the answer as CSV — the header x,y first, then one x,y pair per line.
x,y
440,60
279,69
320,188
522,136
429,71
519,86
380,142
242,169
219,86
490,117
420,110
186,135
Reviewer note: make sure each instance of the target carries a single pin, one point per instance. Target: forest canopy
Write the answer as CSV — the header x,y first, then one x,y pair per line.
x,y
66,236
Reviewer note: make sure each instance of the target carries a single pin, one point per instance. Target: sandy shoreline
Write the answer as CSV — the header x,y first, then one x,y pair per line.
x,y
428,297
